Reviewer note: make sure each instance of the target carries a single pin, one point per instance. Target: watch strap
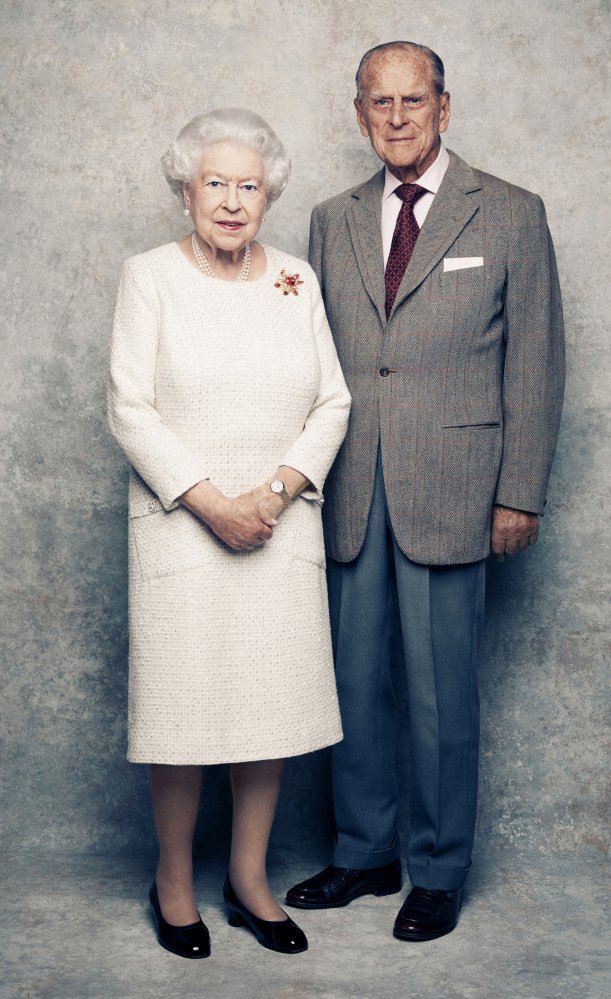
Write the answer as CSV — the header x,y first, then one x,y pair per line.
x,y
282,493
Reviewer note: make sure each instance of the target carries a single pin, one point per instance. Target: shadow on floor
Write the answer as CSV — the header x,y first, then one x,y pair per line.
x,y
77,927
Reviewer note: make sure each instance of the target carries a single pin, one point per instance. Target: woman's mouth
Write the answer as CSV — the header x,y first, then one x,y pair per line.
x,y
230,226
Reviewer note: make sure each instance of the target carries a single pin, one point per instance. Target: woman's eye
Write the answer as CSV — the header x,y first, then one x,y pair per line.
x,y
249,187
215,184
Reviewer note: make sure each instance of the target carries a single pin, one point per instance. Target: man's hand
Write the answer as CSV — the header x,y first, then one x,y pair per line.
x,y
512,531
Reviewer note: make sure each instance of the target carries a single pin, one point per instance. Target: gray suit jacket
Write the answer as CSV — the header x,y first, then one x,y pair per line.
x,y
462,386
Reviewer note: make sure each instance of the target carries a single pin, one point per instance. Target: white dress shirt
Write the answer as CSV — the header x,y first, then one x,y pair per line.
x,y
391,204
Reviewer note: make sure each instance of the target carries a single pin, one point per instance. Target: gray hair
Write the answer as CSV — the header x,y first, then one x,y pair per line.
x,y
227,125
435,62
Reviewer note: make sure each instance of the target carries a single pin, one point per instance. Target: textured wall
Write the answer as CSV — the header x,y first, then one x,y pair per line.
x,y
94,93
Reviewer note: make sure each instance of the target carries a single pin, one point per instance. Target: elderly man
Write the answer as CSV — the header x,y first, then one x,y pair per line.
x,y
441,288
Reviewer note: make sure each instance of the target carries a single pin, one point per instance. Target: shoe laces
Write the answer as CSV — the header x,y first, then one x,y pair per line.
x,y
426,900
347,874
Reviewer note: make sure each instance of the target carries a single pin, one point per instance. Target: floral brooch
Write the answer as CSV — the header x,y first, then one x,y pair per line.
x,y
288,283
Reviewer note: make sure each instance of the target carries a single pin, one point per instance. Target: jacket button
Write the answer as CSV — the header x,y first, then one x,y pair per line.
x,y
384,372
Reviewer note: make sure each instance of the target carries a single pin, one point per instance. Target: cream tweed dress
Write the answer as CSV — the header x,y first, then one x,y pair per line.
x,y
230,652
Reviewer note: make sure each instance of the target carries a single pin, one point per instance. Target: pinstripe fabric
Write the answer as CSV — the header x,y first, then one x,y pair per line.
x,y
468,413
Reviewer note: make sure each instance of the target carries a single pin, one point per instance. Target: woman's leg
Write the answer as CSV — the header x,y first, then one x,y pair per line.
x,y
255,789
175,793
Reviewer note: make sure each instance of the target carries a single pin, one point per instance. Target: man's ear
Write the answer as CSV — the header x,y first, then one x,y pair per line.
x,y
359,117
444,117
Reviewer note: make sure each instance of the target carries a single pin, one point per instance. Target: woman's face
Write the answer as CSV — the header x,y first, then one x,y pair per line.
x,y
226,196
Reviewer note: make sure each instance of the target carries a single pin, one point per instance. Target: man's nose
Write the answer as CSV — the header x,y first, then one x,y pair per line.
x,y
399,115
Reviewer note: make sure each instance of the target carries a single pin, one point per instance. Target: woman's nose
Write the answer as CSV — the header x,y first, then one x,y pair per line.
x,y
232,202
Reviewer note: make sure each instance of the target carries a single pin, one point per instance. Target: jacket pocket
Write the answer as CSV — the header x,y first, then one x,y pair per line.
x,y
471,461
469,426
168,543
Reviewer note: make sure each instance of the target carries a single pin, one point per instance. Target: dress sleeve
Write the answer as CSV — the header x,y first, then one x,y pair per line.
x,y
156,453
315,449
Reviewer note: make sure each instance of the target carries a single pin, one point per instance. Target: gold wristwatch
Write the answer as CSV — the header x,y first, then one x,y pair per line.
x,y
278,487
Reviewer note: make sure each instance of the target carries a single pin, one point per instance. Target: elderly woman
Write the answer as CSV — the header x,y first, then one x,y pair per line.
x,y
227,397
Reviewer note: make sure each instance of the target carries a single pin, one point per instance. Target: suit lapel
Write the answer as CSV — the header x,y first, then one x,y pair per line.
x,y
364,217
456,202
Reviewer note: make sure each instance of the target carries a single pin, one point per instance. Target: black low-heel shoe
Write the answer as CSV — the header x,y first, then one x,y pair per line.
x,y
186,941
283,936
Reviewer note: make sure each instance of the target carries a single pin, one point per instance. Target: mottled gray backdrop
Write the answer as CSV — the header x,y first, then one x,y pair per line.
x,y
93,92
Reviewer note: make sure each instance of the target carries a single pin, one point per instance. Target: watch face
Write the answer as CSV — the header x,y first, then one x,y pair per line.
x,y
277,486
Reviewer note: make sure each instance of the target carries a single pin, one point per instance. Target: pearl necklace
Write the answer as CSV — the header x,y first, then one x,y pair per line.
x,y
204,264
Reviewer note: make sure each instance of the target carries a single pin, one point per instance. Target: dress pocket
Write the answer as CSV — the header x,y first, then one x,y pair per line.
x,y
169,543
308,542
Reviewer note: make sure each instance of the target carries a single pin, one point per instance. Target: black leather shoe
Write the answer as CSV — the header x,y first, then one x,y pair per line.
x,y
337,886
186,941
283,935
427,914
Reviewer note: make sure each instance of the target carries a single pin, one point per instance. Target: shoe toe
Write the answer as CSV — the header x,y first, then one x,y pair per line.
x,y
310,892
289,938
301,895
193,943
427,914
192,940
408,928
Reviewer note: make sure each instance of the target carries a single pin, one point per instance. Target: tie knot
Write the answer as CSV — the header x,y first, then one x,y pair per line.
x,y
409,193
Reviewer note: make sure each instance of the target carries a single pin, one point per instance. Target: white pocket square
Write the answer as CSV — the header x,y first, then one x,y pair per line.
x,y
460,263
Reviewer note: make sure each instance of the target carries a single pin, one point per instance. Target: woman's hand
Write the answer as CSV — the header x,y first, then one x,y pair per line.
x,y
267,504
247,521
238,522
244,523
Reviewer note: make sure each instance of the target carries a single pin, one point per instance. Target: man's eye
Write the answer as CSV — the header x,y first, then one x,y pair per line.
x,y
381,101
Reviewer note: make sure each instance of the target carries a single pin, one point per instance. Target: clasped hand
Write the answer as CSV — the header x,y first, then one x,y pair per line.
x,y
243,522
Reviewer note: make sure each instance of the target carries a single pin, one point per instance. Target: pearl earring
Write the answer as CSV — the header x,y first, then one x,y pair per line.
x,y
186,211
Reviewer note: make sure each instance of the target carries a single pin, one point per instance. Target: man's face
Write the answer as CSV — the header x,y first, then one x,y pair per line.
x,y
401,112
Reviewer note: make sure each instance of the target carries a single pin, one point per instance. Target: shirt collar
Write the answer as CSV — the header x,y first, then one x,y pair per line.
x,y
431,178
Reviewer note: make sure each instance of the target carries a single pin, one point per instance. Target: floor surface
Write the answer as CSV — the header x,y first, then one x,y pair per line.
x,y
77,927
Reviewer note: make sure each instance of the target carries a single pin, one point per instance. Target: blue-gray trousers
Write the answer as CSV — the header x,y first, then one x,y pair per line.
x,y
441,612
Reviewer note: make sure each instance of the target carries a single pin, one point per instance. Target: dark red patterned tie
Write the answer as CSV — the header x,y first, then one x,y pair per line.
x,y
403,240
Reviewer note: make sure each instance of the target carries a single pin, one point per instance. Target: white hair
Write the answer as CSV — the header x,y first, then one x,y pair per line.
x,y
437,68
227,125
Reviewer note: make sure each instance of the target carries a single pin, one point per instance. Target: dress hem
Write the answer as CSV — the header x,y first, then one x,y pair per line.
x,y
259,756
